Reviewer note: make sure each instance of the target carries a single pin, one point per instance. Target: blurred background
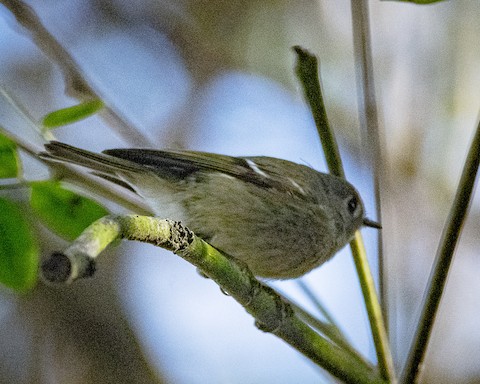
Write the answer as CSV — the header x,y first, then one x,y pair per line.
x,y
218,76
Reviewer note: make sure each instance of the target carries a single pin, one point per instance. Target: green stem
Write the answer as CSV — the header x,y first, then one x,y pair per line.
x,y
307,73
331,331
318,304
369,124
438,277
272,313
374,310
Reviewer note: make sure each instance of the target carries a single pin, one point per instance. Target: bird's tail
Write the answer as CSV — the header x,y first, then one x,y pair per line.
x,y
98,162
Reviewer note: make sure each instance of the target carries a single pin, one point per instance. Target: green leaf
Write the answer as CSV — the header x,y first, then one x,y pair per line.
x,y
19,252
420,1
9,161
63,211
72,114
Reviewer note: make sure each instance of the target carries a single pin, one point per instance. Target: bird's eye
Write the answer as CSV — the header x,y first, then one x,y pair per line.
x,y
352,205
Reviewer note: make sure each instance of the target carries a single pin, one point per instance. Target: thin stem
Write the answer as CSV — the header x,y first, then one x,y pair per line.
x,y
307,73
374,310
83,179
317,302
331,331
19,108
369,125
13,186
438,276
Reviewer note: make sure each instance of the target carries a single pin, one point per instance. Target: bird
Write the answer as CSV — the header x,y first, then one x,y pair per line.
x,y
281,218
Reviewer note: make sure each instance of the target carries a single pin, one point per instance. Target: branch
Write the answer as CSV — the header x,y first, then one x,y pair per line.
x,y
75,83
369,125
272,314
307,73
438,278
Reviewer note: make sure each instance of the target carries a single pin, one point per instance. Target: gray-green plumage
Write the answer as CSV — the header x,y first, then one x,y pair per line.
x,y
281,218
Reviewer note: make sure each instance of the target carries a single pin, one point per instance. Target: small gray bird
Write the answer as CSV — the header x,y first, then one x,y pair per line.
x,y
281,218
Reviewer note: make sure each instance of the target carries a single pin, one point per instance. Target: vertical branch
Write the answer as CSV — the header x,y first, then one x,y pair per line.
x,y
369,128
438,277
369,123
307,73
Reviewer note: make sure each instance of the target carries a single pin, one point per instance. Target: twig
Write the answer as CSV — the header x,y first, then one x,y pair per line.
x,y
318,304
307,73
75,83
86,181
446,249
331,331
369,126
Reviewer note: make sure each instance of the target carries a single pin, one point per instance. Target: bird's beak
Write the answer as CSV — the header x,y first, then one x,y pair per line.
x,y
371,223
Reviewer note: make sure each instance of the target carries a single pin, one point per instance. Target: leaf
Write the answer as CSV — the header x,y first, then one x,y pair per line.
x,y
420,1
19,251
9,161
64,212
72,114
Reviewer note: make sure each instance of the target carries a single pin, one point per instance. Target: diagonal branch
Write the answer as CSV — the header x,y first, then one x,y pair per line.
x,y
76,84
271,312
438,278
